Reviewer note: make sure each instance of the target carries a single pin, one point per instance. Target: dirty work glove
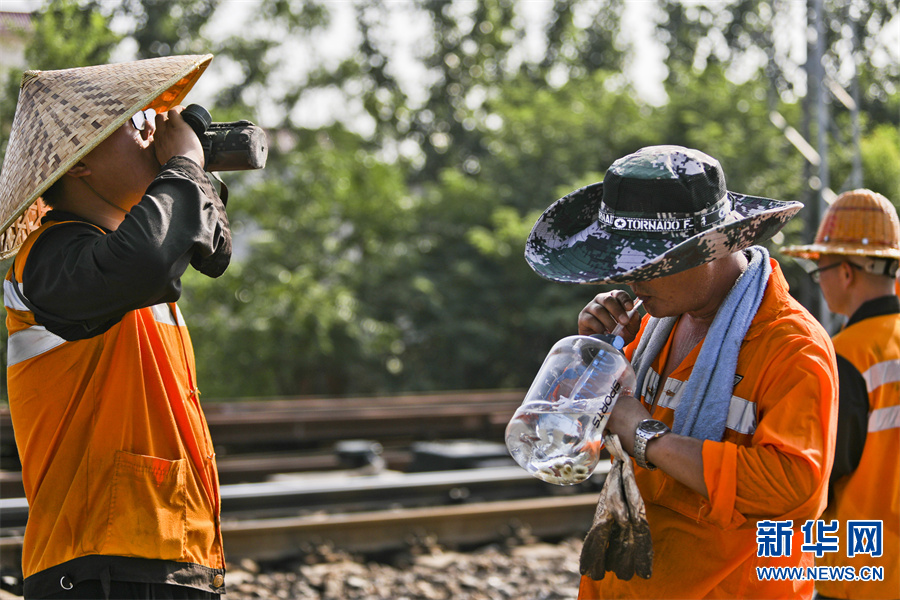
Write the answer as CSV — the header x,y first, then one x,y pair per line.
x,y
619,539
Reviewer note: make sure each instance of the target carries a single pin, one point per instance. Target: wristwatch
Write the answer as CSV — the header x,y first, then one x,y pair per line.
x,y
648,429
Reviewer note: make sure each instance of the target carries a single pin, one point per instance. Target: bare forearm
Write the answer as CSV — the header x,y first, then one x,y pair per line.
x,y
679,456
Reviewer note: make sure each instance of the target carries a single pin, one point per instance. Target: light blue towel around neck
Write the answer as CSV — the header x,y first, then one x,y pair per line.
x,y
702,411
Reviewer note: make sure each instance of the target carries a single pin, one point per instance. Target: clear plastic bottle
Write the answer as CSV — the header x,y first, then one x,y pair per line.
x,y
557,432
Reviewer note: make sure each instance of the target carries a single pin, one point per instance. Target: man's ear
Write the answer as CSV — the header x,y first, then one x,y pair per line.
x,y
79,170
848,275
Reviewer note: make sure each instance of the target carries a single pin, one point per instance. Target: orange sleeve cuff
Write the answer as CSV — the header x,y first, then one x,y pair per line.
x,y
720,475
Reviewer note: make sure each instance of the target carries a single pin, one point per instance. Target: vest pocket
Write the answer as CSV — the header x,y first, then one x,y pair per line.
x,y
147,508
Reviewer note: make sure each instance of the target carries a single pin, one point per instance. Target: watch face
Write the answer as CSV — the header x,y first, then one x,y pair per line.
x,y
653,426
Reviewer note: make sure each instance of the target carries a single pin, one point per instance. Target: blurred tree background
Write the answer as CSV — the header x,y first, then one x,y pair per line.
x,y
381,250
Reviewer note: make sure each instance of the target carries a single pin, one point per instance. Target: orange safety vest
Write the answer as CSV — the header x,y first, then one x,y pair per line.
x,y
772,464
872,491
117,462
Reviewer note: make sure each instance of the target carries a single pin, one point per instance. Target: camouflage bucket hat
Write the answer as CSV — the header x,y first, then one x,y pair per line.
x,y
62,115
659,211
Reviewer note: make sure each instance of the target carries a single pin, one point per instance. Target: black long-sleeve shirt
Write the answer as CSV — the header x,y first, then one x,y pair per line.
x,y
83,279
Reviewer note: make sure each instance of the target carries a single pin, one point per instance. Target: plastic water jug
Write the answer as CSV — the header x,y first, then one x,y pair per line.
x,y
557,432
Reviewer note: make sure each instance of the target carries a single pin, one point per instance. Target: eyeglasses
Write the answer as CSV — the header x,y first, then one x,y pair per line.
x,y
139,120
815,274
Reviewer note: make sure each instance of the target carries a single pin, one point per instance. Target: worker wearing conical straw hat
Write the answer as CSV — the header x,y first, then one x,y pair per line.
x,y
857,249
117,463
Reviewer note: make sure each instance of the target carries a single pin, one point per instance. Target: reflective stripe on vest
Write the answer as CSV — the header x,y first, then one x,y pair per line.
x,y
10,298
741,412
876,376
35,340
29,343
163,314
879,374
884,418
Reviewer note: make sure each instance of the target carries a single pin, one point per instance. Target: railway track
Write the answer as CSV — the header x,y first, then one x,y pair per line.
x,y
377,513
455,526
417,416
256,438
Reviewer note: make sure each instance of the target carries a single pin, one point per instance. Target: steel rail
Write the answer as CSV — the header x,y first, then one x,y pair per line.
x,y
464,525
348,491
390,530
378,512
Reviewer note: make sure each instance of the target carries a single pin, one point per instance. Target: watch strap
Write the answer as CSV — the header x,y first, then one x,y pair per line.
x,y
642,437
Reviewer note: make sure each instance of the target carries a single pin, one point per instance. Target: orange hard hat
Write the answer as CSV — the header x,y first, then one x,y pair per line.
x,y
858,223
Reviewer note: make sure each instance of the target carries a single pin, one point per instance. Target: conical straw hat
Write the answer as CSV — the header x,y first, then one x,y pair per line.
x,y
62,115
858,223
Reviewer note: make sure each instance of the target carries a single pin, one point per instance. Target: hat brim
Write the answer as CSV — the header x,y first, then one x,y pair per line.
x,y
51,133
568,243
814,251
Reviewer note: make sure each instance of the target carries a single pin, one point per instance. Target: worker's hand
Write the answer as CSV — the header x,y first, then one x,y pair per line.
x,y
619,539
606,311
174,137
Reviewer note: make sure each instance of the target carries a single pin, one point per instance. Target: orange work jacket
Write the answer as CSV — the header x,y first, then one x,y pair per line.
x,y
772,464
117,463
872,491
